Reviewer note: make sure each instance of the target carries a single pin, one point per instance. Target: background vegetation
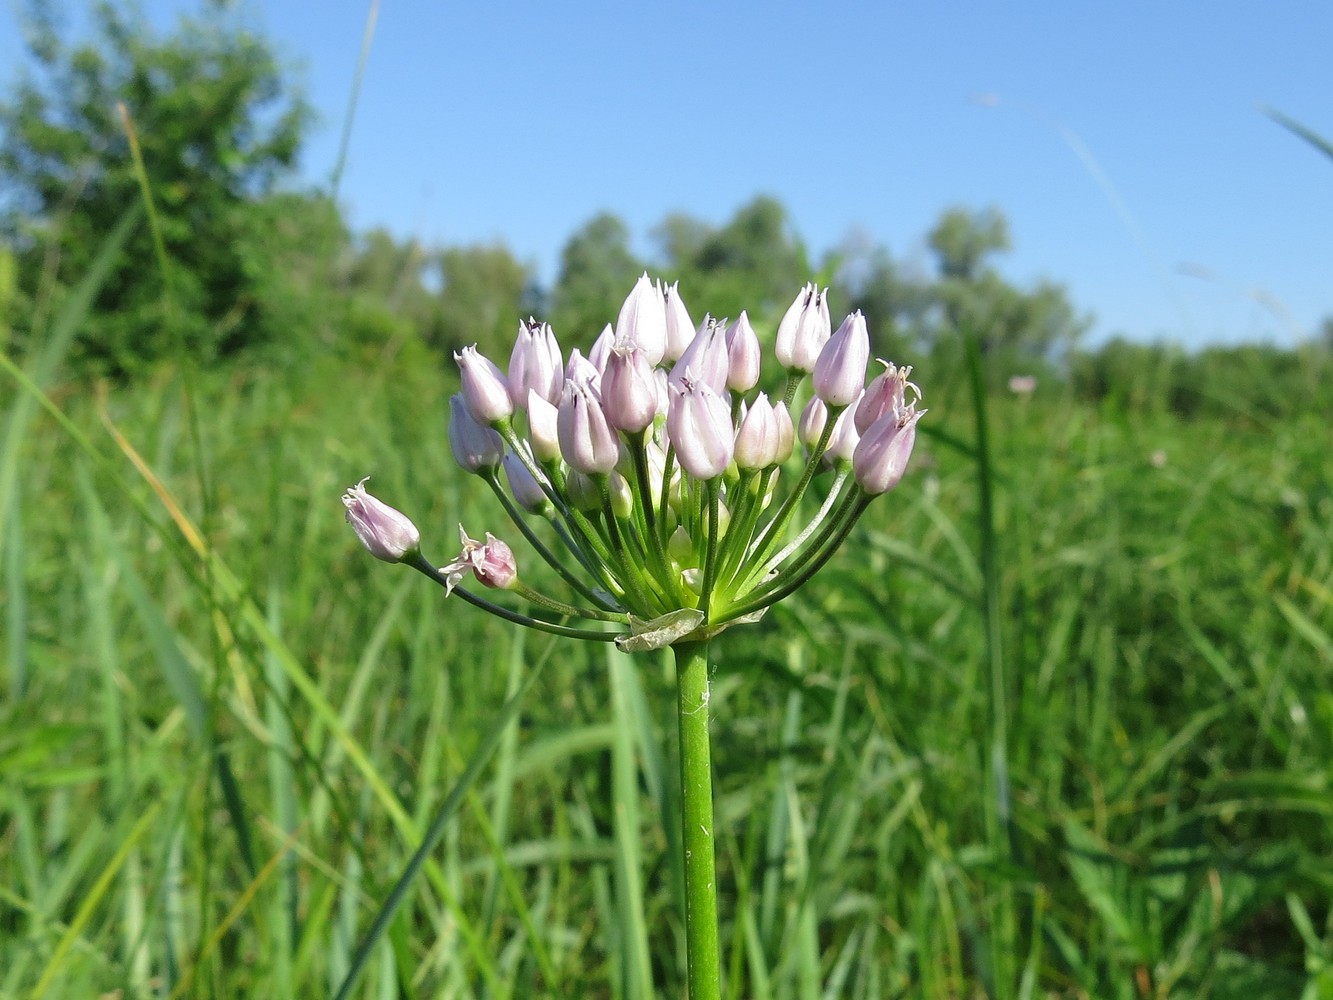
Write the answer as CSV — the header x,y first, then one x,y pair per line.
x,y
1059,723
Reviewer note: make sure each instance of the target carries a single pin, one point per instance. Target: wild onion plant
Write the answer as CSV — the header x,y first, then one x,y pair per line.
x,y
647,475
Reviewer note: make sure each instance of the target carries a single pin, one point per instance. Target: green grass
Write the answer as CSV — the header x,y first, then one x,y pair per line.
x,y
219,751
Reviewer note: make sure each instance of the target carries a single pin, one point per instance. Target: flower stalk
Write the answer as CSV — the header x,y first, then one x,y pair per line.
x,y
647,477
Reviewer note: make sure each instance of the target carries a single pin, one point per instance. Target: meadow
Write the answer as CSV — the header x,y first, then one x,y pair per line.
x,y
1056,722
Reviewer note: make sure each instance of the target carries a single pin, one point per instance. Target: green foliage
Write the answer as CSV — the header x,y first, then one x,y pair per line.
x,y
218,127
1017,328
234,751
1256,383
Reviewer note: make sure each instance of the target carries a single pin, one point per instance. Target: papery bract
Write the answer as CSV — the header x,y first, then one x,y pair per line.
x,y
840,371
699,426
476,447
386,533
484,386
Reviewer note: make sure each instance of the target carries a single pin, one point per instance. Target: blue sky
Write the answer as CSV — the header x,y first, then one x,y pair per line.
x,y
1123,140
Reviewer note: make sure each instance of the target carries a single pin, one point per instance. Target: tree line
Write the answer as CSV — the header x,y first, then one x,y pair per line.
x,y
234,261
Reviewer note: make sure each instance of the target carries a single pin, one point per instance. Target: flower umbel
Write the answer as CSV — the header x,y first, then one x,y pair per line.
x,y
646,473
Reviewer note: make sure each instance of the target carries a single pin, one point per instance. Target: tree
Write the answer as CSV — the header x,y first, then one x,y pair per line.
x,y
484,293
755,262
218,128
597,270
1023,327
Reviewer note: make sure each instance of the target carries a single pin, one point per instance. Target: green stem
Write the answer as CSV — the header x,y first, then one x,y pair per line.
x,y
696,821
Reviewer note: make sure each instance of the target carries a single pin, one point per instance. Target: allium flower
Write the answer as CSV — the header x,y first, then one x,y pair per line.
x,y
535,364
476,448
840,371
706,359
744,355
484,386
629,392
699,426
679,326
492,562
656,467
527,491
757,438
386,533
804,330
543,428
886,393
643,320
881,456
662,518
587,441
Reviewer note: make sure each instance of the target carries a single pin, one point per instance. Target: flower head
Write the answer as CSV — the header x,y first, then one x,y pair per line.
x,y
386,533
658,461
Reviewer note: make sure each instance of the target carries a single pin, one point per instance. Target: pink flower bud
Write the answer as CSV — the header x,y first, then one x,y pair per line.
x,y
706,358
757,438
587,442
601,349
743,355
629,392
477,448
813,419
527,491
886,393
492,562
535,364
804,330
484,387
880,459
679,326
786,434
643,320
699,426
543,430
581,369
842,442
386,533
840,371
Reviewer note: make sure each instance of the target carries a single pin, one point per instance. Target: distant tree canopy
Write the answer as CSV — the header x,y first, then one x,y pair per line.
x,y
218,127
252,263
